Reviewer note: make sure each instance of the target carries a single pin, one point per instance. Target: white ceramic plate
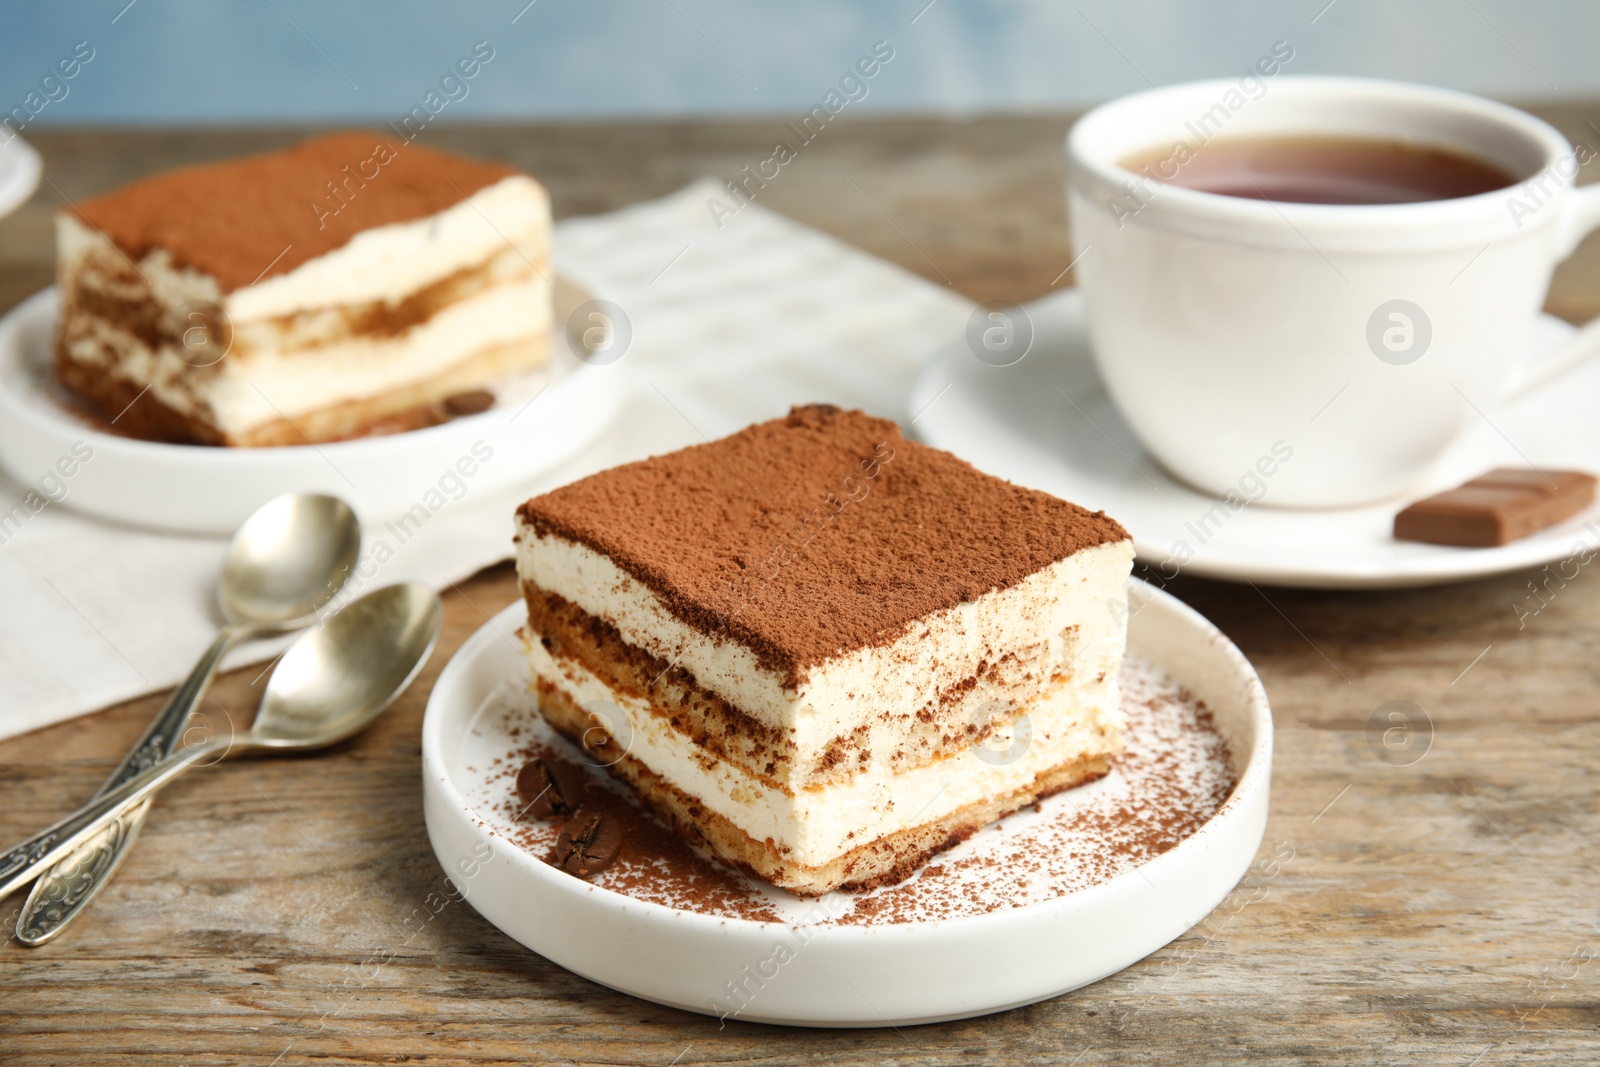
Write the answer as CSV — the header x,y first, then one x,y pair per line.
x,y
199,489
1046,422
20,170
900,973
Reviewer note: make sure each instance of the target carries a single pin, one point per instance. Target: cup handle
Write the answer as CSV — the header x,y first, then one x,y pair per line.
x,y
1541,370
1581,218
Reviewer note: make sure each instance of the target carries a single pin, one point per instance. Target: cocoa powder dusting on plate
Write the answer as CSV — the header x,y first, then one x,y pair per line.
x,y
652,864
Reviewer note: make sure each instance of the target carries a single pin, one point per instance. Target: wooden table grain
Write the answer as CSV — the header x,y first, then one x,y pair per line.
x,y
1443,912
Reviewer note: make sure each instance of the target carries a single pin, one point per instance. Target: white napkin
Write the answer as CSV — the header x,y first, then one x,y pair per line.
x,y
731,324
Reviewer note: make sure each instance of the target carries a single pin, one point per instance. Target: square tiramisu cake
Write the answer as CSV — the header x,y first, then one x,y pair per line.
x,y
302,296
822,652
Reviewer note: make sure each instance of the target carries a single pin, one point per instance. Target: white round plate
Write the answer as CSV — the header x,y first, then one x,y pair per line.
x,y
20,170
1046,422
842,975
202,489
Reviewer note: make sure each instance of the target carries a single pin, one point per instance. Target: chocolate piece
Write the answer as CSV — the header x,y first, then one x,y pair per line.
x,y
1496,508
822,531
550,789
473,403
588,844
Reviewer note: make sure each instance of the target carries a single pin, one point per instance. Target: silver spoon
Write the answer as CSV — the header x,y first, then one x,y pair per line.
x,y
333,681
288,560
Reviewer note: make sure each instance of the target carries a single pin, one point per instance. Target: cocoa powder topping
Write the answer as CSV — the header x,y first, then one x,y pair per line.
x,y
233,220
815,534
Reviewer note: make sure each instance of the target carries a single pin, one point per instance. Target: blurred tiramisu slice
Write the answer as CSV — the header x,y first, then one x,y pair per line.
x,y
824,652
323,292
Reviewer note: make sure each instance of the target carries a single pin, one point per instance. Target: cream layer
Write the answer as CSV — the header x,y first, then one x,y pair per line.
x,y
1063,722
258,384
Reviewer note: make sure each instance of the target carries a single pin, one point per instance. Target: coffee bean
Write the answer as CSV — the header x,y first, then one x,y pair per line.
x,y
472,403
550,788
588,844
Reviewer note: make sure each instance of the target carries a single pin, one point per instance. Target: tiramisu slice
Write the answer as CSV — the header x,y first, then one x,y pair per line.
x,y
302,296
824,652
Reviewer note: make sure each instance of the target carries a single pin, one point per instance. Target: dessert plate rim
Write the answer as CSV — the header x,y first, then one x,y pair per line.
x,y
36,429
974,429
1236,827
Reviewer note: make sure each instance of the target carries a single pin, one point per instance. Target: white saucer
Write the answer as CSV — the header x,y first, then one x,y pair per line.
x,y
20,170
198,489
1016,423
841,975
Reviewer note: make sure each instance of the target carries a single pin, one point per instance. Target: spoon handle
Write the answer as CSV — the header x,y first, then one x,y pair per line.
x,y
22,863
67,887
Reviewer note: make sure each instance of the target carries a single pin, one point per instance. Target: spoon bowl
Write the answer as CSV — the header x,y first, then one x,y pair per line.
x,y
337,678
288,560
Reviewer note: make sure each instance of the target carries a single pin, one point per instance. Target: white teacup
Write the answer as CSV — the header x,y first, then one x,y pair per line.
x,y
1360,340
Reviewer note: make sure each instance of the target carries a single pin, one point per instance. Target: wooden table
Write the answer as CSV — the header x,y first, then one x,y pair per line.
x,y
1443,912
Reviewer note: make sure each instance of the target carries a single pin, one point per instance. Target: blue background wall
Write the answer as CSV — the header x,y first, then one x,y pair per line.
x,y
266,60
